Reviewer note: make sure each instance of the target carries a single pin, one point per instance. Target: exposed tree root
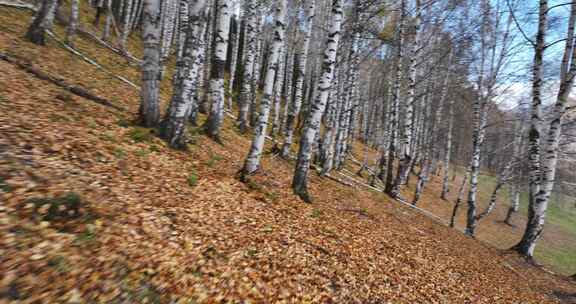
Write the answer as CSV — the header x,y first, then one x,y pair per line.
x,y
74,89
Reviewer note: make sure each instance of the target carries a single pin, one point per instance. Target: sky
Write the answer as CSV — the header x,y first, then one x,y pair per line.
x,y
527,16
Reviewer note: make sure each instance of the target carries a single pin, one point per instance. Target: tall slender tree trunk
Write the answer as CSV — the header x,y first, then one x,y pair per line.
x,y
312,127
406,142
186,79
221,35
252,161
502,180
390,188
169,22
538,206
515,184
250,47
296,105
149,106
126,26
514,204
277,96
459,199
183,26
480,118
448,151
43,21
234,62
72,22
109,19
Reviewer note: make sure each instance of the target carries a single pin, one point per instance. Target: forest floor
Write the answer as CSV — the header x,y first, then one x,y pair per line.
x,y
147,224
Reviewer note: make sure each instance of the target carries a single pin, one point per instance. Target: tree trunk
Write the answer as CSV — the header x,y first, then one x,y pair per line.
x,y
296,105
109,20
149,107
250,47
221,35
277,95
538,206
515,204
480,118
43,21
312,127
72,22
448,151
390,184
458,200
252,161
405,151
126,25
185,79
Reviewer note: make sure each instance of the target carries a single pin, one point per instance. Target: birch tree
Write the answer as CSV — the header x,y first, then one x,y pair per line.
x,y
301,69
127,25
405,151
186,78
391,187
515,182
252,162
312,127
221,35
72,21
250,47
42,22
493,49
151,30
543,174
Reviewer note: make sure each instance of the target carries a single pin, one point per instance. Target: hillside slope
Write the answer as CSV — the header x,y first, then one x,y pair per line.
x,y
159,226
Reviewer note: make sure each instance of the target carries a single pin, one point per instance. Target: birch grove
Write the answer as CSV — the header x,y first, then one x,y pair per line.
x,y
252,161
419,100
312,125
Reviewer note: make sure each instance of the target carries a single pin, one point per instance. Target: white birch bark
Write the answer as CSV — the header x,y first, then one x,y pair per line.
x,y
391,188
480,118
109,20
311,129
183,26
335,108
73,22
549,160
279,83
221,35
448,151
188,68
149,107
296,105
126,25
405,151
250,49
502,180
169,22
252,162
258,66
234,61
515,184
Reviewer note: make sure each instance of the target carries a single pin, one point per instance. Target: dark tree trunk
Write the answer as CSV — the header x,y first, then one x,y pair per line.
x,y
42,21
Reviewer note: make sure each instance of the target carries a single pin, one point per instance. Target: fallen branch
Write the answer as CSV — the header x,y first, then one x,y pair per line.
x,y
90,61
76,90
110,47
19,4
